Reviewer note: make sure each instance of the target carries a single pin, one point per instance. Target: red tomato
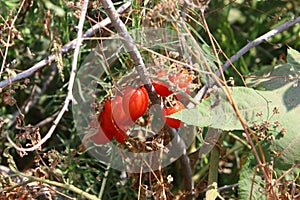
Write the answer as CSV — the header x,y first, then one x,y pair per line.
x,y
120,117
182,79
121,136
100,137
180,96
161,88
109,127
174,123
135,101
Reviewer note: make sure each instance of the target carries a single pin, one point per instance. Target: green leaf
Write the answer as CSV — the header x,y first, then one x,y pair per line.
x,y
217,112
280,93
285,150
273,78
247,178
293,56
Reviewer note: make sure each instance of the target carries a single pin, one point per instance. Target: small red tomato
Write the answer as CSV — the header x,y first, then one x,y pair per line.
x,y
120,117
174,123
135,101
100,137
121,136
180,96
182,79
109,127
161,88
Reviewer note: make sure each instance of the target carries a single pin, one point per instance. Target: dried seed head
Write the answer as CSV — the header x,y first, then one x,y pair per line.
x,y
276,123
275,111
259,114
283,130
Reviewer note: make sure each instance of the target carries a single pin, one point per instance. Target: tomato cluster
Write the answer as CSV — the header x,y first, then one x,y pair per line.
x,y
120,113
181,80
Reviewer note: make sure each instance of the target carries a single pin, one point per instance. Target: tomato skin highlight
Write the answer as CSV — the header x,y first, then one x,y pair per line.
x,y
174,123
135,101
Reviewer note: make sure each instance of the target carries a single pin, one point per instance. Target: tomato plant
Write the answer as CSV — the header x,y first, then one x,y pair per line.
x,y
135,101
177,106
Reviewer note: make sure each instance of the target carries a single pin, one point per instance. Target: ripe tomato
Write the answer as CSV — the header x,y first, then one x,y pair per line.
x,y
182,79
109,127
135,101
174,123
100,137
120,117
161,88
121,135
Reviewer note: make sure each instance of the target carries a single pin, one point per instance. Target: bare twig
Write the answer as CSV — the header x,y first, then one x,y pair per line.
x,y
33,98
66,48
69,97
224,188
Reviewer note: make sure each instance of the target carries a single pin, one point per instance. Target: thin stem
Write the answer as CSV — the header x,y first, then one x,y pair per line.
x,y
61,185
104,182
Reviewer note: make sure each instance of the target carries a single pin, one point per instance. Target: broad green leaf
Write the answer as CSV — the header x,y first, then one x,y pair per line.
x,y
272,78
285,150
217,112
245,182
293,57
